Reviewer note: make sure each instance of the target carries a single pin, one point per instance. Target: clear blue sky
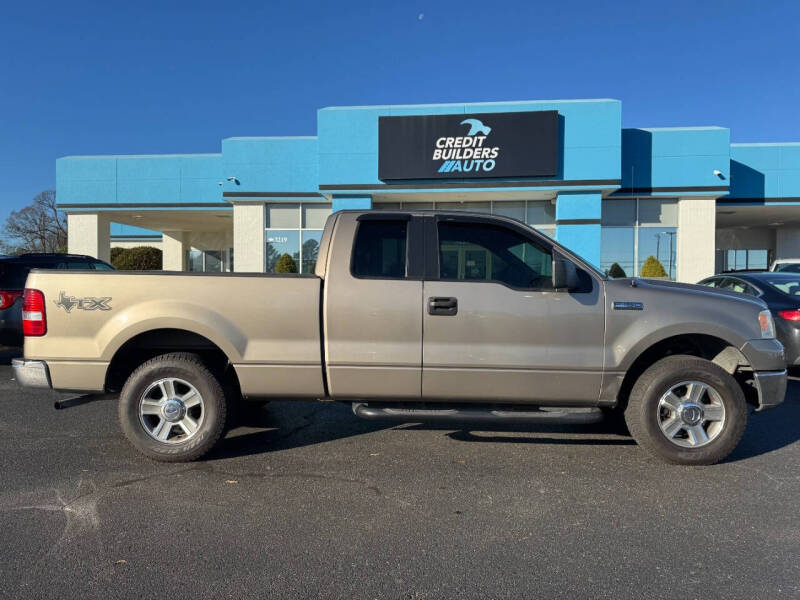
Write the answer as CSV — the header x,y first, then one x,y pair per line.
x,y
148,77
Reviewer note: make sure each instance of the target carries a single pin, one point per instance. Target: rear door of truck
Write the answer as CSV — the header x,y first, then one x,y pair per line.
x,y
372,307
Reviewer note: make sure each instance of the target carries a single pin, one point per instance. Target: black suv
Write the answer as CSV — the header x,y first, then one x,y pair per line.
x,y
14,271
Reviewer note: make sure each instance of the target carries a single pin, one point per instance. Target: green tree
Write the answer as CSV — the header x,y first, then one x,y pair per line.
x,y
286,264
616,271
140,258
652,267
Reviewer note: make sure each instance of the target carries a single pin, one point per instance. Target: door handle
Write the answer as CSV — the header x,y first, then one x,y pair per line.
x,y
438,305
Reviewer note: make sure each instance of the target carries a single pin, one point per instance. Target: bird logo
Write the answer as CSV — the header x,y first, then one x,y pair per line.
x,y
476,126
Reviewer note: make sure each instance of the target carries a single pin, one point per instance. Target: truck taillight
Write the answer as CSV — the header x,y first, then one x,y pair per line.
x,y
34,321
8,298
789,315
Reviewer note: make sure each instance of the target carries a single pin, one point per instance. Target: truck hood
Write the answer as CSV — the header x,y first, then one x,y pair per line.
x,y
703,291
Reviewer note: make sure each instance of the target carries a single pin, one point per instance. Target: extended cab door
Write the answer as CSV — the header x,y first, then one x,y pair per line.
x,y
494,327
371,307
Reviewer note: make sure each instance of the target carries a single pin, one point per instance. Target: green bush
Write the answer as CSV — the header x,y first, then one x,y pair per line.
x,y
653,268
140,258
616,271
115,254
286,264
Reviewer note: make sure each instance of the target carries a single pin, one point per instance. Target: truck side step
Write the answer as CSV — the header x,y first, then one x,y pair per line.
x,y
489,415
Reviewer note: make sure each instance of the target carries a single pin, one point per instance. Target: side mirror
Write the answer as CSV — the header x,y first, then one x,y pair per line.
x,y
565,275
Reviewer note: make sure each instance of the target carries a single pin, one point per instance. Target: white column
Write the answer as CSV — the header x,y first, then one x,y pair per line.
x,y
88,233
249,221
174,251
697,219
787,242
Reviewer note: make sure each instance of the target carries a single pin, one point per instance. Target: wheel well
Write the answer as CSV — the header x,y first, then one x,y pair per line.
x,y
145,346
709,347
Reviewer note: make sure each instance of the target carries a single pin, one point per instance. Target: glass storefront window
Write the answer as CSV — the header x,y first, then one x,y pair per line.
x,y
213,261
619,212
658,212
310,250
195,261
315,215
515,210
280,242
658,242
283,216
541,212
295,229
617,248
736,260
482,207
634,230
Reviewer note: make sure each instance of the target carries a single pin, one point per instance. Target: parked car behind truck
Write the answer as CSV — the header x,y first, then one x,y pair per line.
x,y
411,316
13,272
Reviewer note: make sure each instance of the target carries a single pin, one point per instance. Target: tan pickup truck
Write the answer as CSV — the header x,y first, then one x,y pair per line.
x,y
410,316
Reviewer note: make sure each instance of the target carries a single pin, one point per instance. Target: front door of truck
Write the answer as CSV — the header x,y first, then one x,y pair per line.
x,y
494,327
372,295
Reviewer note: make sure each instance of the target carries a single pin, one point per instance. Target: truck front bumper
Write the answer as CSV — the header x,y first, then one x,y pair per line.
x,y
771,387
31,373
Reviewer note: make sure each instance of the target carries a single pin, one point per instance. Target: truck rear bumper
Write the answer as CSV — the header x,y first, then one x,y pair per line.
x,y
771,386
31,373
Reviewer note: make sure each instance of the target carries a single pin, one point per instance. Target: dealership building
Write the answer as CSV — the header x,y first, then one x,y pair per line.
x,y
684,195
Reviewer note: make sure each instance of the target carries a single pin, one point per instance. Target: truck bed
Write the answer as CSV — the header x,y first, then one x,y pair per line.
x,y
268,325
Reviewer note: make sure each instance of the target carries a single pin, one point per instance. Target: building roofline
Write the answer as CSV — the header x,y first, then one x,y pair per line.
x,y
764,144
477,104
693,128
117,156
271,137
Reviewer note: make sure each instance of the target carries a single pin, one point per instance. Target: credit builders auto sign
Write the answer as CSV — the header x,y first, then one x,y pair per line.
x,y
468,146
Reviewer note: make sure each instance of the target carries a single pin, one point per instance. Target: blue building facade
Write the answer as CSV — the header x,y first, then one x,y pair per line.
x,y
686,196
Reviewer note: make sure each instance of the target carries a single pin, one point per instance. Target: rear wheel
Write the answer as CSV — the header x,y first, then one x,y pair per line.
x,y
687,410
172,408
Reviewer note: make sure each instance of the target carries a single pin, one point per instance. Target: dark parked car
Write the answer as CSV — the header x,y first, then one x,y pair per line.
x,y
781,292
13,272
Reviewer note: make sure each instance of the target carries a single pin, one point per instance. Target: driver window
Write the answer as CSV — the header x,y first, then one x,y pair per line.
x,y
482,252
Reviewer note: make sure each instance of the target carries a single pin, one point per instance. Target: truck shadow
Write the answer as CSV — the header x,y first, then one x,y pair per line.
x,y
773,429
287,425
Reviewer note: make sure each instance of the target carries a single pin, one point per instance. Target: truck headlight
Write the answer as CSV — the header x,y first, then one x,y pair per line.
x,y
767,324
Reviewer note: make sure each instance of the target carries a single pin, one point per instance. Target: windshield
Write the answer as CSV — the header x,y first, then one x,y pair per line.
x,y
787,268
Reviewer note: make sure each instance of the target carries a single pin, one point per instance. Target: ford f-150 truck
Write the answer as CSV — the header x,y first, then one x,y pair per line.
x,y
415,317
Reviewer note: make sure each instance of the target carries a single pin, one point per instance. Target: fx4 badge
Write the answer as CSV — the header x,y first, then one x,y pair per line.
x,y
87,303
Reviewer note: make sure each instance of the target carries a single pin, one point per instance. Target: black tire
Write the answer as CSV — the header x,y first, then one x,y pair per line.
x,y
186,367
642,412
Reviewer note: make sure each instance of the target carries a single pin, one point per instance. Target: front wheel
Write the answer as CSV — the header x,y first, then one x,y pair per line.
x,y
687,410
172,408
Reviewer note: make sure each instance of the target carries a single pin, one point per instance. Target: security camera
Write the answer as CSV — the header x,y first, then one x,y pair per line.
x,y
717,172
233,180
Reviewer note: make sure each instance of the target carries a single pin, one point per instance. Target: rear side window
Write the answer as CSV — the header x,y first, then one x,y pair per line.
x,y
380,250
12,276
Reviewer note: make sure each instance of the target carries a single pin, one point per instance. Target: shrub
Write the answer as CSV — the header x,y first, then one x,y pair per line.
x,y
616,271
140,258
115,254
286,264
653,268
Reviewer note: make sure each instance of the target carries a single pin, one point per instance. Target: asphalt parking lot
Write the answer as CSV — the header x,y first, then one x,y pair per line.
x,y
308,501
